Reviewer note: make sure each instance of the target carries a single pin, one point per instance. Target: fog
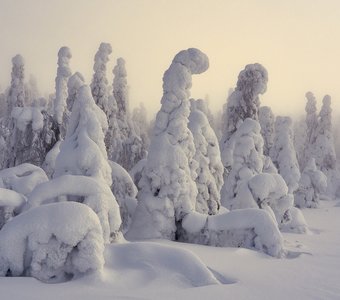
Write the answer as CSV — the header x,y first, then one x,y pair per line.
x,y
297,41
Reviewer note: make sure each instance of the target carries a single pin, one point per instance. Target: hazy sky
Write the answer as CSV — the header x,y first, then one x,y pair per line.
x,y
298,41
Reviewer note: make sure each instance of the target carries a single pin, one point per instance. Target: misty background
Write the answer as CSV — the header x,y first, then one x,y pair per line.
x,y
298,42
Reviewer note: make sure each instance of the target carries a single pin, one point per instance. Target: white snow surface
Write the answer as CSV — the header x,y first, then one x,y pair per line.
x,y
52,242
310,271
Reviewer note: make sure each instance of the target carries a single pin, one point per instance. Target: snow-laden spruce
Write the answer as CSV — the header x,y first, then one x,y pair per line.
x,y
168,191
124,146
63,73
125,192
267,120
83,153
311,127
52,243
283,153
323,148
242,103
16,93
247,186
99,84
312,184
246,228
74,83
208,156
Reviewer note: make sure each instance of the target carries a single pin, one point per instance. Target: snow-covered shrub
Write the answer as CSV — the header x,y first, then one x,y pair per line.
x,y
52,243
63,73
137,171
283,153
87,190
168,191
125,192
246,228
22,179
312,183
11,204
267,120
99,85
242,103
208,156
50,160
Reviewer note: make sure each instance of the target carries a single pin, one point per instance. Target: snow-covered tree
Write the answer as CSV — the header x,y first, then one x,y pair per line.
x,y
125,146
63,73
299,129
311,127
283,153
83,152
125,192
16,93
99,85
323,148
141,125
242,103
73,85
312,183
168,191
247,186
267,120
208,156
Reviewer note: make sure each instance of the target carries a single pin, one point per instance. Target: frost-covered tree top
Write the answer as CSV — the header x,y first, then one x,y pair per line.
x,y
17,89
168,187
324,150
73,85
210,169
99,85
120,90
63,73
267,120
244,101
83,151
283,153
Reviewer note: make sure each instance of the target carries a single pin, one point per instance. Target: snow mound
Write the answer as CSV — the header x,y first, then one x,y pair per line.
x,y
97,195
246,228
52,243
22,179
148,262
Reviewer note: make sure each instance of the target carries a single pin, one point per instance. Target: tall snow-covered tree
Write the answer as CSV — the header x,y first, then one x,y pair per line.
x,y
283,153
311,127
168,191
99,85
83,153
267,120
16,93
323,148
208,156
242,103
141,125
129,150
63,73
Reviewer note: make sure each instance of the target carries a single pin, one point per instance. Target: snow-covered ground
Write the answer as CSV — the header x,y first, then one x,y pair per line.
x,y
167,270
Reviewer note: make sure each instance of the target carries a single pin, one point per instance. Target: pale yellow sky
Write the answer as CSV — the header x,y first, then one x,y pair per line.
x,y
298,41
